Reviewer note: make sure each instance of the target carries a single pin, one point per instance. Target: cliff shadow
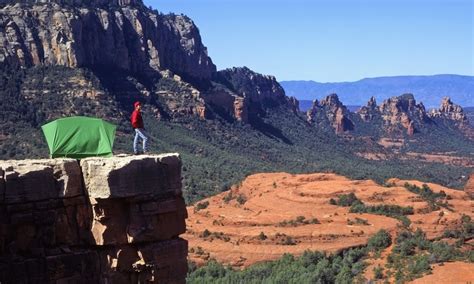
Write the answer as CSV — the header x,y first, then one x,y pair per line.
x,y
267,129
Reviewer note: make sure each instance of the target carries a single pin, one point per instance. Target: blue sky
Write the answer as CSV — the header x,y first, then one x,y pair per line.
x,y
335,40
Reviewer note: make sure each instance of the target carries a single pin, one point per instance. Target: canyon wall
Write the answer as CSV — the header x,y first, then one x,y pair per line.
x,y
115,220
110,34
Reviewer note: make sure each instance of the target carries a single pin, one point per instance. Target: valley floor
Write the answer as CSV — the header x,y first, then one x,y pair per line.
x,y
271,214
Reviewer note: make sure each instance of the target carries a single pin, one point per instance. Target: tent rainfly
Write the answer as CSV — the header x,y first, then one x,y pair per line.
x,y
79,137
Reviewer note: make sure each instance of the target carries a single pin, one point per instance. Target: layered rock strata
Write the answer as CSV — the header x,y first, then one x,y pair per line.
x,y
244,92
127,37
114,220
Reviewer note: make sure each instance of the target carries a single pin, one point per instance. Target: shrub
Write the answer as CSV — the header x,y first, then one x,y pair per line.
x,y
378,272
346,200
241,199
228,197
300,219
201,205
442,252
418,266
206,233
288,241
434,200
382,239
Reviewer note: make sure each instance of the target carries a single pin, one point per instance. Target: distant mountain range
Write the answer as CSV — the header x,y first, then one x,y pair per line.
x,y
427,89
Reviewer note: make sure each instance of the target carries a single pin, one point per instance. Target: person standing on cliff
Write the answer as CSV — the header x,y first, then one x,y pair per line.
x,y
137,124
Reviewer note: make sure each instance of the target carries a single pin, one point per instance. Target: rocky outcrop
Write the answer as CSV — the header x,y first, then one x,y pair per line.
x,y
405,112
334,111
114,220
398,114
295,104
370,111
229,102
128,37
258,88
242,92
449,110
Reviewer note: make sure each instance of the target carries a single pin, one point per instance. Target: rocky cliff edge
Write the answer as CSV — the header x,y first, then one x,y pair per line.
x,y
115,220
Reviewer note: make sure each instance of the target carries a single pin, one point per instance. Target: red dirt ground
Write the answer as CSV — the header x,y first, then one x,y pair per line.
x,y
449,273
275,197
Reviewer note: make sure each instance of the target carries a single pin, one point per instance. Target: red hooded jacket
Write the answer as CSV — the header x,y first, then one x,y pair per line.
x,y
137,121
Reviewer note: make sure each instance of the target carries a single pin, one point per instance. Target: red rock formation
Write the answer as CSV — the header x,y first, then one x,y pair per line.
x,y
403,112
334,111
255,87
313,112
240,109
121,34
451,111
111,220
230,102
367,113
201,111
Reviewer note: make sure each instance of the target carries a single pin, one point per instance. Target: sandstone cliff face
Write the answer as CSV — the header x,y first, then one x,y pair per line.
x,y
254,86
111,220
230,102
128,37
335,112
247,92
449,110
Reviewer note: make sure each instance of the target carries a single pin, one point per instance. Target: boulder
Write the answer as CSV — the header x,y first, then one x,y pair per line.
x,y
132,176
35,180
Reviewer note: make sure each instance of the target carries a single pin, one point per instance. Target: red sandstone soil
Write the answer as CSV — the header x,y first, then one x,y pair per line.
x,y
451,272
389,143
276,197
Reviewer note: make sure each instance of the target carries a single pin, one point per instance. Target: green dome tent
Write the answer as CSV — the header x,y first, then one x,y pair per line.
x,y
79,137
